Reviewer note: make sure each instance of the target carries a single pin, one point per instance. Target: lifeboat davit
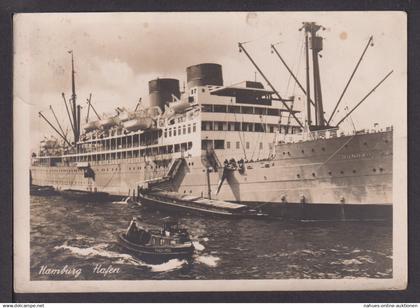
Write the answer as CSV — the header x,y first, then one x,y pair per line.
x,y
142,123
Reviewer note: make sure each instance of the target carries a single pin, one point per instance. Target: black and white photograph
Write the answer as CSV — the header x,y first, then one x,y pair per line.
x,y
210,151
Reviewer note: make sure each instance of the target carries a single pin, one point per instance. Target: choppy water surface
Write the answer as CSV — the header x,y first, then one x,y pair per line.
x,y
76,237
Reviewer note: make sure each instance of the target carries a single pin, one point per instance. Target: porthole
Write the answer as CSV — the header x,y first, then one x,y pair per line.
x,y
313,150
323,149
329,172
313,174
386,140
265,178
303,151
192,164
288,153
364,143
354,171
284,153
342,172
381,169
374,169
298,175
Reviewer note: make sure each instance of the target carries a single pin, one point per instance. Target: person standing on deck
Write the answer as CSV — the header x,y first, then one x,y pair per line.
x,y
132,232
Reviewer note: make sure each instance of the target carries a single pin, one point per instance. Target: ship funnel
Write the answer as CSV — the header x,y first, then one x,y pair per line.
x,y
204,74
161,91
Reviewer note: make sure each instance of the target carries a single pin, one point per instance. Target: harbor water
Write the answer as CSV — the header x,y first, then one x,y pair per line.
x,y
71,240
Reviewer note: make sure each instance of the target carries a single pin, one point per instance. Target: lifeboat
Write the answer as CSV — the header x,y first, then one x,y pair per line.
x,y
108,122
91,126
180,107
141,123
126,116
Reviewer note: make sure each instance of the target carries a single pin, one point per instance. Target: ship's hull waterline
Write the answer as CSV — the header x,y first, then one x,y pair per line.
x,y
349,176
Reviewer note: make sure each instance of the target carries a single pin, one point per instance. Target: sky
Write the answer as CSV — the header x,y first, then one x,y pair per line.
x,y
116,54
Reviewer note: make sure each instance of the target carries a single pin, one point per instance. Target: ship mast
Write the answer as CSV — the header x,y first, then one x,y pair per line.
x,y
314,43
75,109
308,84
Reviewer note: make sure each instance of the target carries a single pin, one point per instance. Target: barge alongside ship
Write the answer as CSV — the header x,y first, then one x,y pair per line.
x,y
243,144
196,204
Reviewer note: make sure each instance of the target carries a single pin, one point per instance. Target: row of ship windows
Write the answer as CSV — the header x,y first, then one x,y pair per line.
x,y
165,149
323,149
71,183
147,167
184,129
219,144
120,142
247,127
303,151
112,169
194,91
241,109
330,173
63,171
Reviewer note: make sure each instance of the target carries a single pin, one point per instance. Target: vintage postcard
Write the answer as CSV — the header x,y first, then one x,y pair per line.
x,y
212,151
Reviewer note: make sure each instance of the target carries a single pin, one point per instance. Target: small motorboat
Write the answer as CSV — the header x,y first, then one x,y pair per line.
x,y
157,245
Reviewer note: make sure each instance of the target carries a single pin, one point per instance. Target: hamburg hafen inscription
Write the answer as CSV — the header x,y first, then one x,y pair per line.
x,y
75,272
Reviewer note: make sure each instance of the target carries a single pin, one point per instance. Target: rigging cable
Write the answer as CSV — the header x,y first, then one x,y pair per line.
x,y
338,150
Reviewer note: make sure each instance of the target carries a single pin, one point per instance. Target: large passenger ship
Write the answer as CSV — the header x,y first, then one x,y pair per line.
x,y
239,143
